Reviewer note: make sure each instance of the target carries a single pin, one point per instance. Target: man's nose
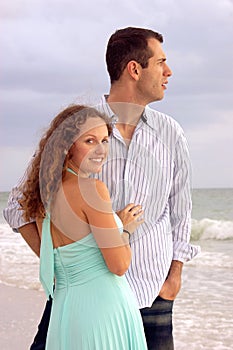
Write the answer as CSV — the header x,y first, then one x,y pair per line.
x,y
167,71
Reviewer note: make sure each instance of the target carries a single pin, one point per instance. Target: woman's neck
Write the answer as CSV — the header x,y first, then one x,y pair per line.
x,y
74,169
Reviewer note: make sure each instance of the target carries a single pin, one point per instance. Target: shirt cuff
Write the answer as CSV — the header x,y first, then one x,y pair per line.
x,y
183,251
14,218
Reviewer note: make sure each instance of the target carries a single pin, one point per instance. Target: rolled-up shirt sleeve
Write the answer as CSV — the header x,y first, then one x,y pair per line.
x,y
12,213
181,204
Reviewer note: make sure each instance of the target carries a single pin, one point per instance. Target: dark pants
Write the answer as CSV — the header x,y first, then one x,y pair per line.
x,y
157,322
40,338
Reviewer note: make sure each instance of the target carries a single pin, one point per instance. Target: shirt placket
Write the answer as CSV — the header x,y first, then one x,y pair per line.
x,y
128,187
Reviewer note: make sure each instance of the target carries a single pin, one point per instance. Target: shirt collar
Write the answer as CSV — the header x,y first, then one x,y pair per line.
x,y
150,117
147,118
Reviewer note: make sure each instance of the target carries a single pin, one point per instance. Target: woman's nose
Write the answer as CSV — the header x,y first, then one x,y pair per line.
x,y
100,149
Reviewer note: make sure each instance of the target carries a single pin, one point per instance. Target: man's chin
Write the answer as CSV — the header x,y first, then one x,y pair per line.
x,y
158,97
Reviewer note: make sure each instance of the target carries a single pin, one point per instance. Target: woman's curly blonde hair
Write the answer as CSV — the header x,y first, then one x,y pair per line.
x,y
49,165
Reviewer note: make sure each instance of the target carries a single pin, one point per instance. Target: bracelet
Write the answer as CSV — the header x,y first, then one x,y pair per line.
x,y
127,232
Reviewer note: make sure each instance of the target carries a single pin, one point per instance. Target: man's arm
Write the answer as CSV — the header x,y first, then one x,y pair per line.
x,y
172,285
180,217
30,234
14,216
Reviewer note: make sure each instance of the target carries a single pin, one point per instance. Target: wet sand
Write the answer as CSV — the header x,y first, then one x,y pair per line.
x,y
21,311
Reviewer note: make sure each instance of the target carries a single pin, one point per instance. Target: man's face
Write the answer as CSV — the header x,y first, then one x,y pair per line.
x,y
153,79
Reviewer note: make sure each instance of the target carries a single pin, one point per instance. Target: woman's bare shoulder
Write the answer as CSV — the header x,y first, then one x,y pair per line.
x,y
95,194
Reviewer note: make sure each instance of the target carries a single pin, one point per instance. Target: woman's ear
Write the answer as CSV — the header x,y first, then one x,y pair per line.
x,y
70,152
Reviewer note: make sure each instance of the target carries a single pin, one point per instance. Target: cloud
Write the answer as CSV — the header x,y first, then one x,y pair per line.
x,y
53,54
13,164
210,148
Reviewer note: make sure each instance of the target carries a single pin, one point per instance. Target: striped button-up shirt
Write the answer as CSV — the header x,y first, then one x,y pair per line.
x,y
154,171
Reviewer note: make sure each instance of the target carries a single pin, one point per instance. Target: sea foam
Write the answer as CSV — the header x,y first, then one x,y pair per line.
x,y
211,229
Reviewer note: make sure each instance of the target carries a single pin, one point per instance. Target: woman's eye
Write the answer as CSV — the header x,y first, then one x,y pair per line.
x,y
105,141
89,141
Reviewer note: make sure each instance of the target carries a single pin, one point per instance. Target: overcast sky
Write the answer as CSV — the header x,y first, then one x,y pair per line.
x,y
53,54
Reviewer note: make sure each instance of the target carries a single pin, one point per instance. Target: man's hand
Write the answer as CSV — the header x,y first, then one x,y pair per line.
x,y
172,285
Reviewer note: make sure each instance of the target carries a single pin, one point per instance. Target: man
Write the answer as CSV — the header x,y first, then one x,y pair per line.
x,y
148,164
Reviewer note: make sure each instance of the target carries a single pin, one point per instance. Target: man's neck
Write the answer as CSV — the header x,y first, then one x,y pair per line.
x,y
124,104
123,91
128,115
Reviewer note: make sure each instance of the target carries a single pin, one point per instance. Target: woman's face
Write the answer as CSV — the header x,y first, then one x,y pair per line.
x,y
89,151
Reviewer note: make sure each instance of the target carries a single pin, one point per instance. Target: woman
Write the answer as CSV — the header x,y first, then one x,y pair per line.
x,y
84,244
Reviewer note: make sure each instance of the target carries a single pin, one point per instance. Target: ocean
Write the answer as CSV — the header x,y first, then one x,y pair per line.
x,y
203,310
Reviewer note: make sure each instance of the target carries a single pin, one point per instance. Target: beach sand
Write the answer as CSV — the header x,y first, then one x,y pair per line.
x,y
21,311
202,320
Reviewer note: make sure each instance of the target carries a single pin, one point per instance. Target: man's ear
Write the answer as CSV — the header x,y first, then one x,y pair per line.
x,y
134,69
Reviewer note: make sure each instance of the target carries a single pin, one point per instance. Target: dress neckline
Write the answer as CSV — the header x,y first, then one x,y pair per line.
x,y
72,171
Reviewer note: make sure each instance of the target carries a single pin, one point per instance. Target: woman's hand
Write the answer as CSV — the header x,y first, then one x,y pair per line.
x,y
131,216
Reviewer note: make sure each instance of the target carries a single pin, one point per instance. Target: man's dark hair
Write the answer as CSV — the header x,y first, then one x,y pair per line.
x,y
126,45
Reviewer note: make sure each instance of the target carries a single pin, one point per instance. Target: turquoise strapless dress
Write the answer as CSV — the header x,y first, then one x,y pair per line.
x,y
93,309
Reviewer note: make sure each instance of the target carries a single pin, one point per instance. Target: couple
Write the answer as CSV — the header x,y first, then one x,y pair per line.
x,y
148,164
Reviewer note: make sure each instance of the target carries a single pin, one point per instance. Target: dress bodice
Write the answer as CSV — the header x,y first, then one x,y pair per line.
x,y
72,264
78,262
